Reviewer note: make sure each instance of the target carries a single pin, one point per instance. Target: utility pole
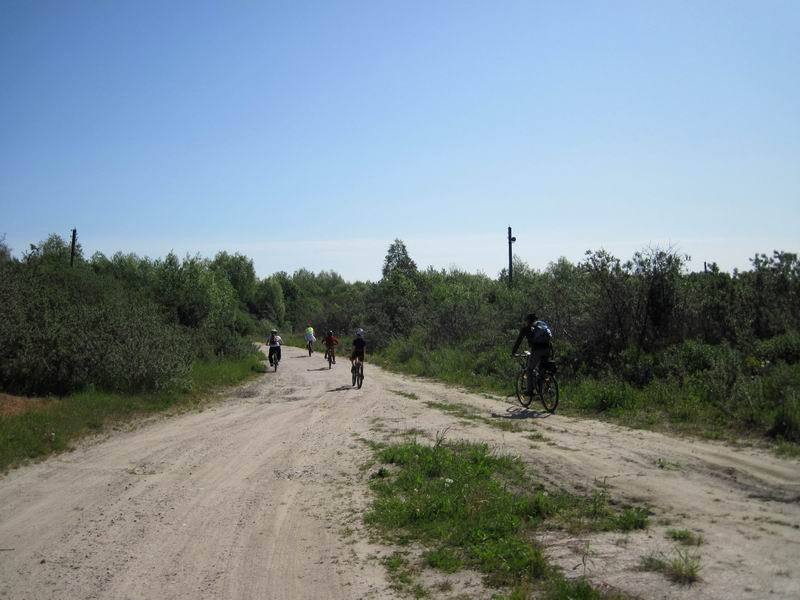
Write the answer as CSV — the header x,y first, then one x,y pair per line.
x,y
72,249
511,240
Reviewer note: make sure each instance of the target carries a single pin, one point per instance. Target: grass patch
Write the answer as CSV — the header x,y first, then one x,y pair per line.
x,y
53,425
683,568
409,395
685,537
402,577
371,444
472,508
207,375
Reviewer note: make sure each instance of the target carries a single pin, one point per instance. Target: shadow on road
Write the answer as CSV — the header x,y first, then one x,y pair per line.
x,y
320,369
341,388
521,413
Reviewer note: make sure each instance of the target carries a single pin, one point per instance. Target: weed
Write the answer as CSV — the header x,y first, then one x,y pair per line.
x,y
402,576
632,518
683,568
443,559
381,473
409,395
685,537
666,465
371,444
444,586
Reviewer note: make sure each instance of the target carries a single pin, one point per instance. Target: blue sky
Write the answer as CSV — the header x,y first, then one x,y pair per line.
x,y
311,134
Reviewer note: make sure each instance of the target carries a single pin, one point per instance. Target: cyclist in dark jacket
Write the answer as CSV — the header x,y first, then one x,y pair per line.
x,y
538,335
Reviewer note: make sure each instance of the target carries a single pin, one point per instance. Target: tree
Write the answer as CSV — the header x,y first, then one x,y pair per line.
x,y
268,301
398,260
53,252
240,272
5,251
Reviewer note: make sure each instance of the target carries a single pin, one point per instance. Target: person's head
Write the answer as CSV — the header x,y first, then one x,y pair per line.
x,y
359,332
531,318
309,323
274,332
330,332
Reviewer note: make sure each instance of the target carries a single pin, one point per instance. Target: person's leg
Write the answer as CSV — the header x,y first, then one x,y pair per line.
x,y
529,367
538,356
278,353
270,355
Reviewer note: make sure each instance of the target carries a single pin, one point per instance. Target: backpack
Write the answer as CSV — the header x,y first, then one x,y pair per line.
x,y
541,333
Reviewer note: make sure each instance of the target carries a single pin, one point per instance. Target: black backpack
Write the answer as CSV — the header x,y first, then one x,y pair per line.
x,y
542,334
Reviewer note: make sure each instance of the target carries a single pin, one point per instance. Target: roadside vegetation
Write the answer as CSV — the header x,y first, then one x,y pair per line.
x,y
54,424
107,338
642,341
470,508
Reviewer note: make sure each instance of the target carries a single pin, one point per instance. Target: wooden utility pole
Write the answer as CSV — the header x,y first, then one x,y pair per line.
x,y
511,240
72,249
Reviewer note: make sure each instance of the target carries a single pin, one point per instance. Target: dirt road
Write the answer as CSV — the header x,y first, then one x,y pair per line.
x,y
260,496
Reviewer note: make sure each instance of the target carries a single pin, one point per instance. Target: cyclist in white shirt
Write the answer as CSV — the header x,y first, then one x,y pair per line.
x,y
274,342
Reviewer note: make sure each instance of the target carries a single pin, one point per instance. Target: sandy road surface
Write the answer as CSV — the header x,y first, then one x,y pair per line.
x,y
259,496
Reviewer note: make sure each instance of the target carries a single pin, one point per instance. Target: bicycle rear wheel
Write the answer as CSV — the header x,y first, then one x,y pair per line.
x,y
549,393
522,382
330,360
360,376
353,373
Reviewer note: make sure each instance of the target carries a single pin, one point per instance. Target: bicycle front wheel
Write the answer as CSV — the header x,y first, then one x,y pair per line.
x,y
522,383
549,393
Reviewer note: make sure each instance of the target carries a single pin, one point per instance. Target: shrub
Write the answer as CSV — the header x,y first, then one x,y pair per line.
x,y
606,395
784,347
780,402
63,331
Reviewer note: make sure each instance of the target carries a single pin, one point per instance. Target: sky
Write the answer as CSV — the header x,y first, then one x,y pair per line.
x,y
312,134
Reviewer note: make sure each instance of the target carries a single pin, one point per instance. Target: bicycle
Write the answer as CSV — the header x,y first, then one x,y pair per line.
x,y
546,384
357,371
310,346
275,361
329,356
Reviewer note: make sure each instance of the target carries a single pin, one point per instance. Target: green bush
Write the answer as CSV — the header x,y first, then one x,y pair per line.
x,y
784,348
61,332
781,402
605,395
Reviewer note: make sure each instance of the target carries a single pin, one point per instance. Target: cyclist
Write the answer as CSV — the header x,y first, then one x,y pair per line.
x,y
359,345
539,339
330,342
309,336
274,342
